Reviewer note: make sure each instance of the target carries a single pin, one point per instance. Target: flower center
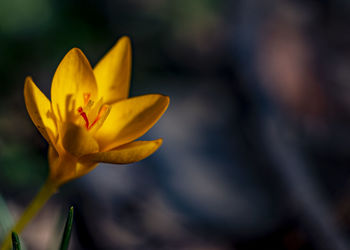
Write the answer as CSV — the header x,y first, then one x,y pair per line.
x,y
96,113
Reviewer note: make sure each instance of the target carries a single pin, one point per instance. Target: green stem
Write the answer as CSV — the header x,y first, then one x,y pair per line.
x,y
47,190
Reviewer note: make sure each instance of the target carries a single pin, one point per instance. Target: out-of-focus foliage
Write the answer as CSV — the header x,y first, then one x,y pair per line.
x,y
16,244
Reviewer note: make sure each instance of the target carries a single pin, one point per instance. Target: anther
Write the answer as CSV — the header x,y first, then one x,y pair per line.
x,y
86,98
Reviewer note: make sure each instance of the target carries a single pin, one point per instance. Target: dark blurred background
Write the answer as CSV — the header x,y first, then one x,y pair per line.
x,y
256,139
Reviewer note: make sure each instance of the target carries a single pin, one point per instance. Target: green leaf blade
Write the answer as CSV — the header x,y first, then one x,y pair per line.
x,y
16,245
67,230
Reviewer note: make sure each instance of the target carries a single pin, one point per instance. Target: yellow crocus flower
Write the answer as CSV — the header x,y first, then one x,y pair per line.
x,y
90,119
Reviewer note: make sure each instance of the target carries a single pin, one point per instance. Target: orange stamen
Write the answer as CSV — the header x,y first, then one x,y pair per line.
x,y
99,115
86,98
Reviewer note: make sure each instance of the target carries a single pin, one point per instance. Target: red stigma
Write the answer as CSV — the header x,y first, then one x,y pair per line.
x,y
83,114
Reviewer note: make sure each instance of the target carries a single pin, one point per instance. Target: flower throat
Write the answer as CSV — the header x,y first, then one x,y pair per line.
x,y
102,113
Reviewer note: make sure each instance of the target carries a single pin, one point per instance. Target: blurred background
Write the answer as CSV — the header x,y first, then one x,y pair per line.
x,y
256,138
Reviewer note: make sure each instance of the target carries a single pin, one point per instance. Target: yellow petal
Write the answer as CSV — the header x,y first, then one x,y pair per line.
x,y
84,167
63,167
113,72
77,140
73,78
39,109
52,157
129,119
128,153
